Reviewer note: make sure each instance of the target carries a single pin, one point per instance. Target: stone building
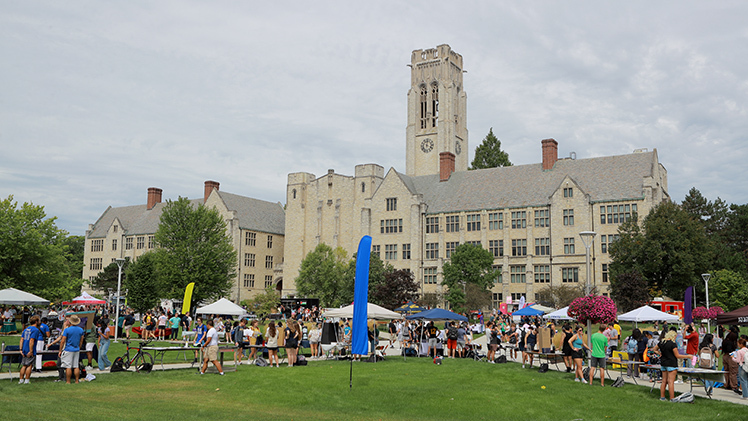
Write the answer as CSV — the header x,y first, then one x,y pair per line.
x,y
528,216
256,228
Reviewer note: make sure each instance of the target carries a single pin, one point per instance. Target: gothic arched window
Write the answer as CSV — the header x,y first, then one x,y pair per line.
x,y
424,106
434,104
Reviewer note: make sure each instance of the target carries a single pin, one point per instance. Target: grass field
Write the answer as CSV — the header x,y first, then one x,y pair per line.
x,y
415,389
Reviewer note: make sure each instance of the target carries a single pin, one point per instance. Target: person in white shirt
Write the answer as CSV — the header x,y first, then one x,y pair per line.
x,y
210,349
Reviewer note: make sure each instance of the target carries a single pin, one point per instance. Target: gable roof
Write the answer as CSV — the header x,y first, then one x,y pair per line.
x,y
611,178
255,214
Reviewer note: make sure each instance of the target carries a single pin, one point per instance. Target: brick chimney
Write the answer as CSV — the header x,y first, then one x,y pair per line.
x,y
446,165
209,187
154,197
550,153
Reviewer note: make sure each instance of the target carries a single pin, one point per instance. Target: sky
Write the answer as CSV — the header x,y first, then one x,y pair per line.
x,y
102,100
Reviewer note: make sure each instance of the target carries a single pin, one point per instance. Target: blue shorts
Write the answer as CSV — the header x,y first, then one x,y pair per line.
x,y
669,368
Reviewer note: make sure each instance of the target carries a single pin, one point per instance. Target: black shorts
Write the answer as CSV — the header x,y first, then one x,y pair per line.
x,y
577,355
568,352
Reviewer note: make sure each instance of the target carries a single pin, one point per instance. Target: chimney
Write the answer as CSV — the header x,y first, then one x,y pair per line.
x,y
209,187
154,197
446,165
550,153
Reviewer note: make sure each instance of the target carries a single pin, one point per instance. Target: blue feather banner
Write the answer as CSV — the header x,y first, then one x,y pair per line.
x,y
360,339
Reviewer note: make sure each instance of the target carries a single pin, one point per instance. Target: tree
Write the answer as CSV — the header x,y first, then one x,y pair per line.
x,y
143,287
728,290
108,277
397,287
194,247
324,274
264,304
477,297
430,299
33,251
629,291
558,296
469,264
489,154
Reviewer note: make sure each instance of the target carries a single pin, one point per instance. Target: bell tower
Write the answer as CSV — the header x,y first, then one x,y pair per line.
x,y
437,106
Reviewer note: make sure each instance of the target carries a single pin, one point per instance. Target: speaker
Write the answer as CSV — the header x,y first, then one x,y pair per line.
x,y
329,333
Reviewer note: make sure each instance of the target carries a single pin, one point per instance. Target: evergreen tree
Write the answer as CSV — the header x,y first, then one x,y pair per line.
x,y
489,154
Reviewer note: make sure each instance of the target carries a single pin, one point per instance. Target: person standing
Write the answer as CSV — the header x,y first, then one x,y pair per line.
x,y
46,333
432,332
291,344
741,359
103,342
461,340
392,327
90,338
254,334
70,347
271,335
692,342
129,323
30,336
577,347
531,339
314,339
729,345
210,349
174,325
599,345
669,356
200,332
238,338
566,347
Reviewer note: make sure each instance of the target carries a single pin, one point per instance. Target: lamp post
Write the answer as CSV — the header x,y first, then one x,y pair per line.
x,y
706,277
120,261
588,237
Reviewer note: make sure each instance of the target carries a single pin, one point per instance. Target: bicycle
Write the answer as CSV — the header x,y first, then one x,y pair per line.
x,y
141,360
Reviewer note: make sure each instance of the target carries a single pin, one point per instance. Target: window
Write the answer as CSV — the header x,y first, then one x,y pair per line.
x,y
453,223
519,219
570,274
114,228
542,274
542,246
605,272
516,296
406,251
473,243
363,187
568,192
391,204
375,250
606,241
268,262
114,245
151,241
473,222
390,252
568,245
96,263
614,214
541,218
250,239
97,245
496,221
517,274
432,224
499,274
270,241
424,106
268,280
390,226
450,247
249,259
569,217
294,196
249,280
496,247
434,104
128,243
141,242
519,247
429,275
496,299
432,250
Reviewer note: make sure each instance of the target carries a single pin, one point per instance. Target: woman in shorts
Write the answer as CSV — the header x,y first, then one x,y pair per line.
x,y
292,341
530,340
491,342
577,353
669,356
271,337
315,335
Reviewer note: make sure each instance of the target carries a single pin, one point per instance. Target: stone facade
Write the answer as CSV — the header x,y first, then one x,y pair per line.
x,y
256,228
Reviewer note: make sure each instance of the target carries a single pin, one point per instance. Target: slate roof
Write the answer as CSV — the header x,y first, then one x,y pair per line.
x,y
253,214
611,178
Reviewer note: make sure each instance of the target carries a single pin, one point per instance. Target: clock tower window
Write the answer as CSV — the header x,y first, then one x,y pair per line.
x,y
424,106
434,104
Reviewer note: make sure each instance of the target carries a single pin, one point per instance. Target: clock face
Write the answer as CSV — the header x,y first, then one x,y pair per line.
x,y
427,145
458,147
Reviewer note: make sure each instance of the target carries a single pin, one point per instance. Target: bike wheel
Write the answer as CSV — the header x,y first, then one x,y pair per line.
x,y
141,361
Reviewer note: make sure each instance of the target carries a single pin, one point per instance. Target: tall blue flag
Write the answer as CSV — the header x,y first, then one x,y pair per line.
x,y
360,339
688,306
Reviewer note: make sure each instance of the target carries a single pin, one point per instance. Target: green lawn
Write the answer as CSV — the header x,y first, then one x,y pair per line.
x,y
394,389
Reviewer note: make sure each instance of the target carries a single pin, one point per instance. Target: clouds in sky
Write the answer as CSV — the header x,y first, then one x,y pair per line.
x,y
102,100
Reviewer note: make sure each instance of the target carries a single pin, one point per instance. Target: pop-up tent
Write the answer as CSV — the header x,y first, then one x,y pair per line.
x,y
528,311
12,296
562,314
409,308
647,314
373,311
735,317
437,314
84,299
222,307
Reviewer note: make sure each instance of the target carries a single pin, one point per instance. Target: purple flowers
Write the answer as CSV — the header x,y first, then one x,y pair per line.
x,y
704,313
595,308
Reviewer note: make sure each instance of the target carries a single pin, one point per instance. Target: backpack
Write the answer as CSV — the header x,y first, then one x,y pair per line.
x,y
261,362
452,332
301,360
117,365
706,357
543,368
631,346
501,359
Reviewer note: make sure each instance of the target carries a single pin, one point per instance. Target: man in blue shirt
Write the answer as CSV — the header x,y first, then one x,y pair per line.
x,y
44,329
201,331
29,337
70,347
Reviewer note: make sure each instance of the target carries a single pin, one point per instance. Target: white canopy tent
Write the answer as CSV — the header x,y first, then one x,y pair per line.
x,y
562,314
373,311
12,296
647,314
542,308
222,306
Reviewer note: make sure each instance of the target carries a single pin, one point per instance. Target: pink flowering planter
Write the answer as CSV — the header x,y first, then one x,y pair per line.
x,y
593,308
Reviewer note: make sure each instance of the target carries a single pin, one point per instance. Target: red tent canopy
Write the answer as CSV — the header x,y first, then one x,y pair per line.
x,y
84,299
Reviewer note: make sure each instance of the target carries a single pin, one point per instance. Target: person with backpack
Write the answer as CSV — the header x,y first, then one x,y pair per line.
x,y
632,348
741,359
451,339
237,336
708,355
